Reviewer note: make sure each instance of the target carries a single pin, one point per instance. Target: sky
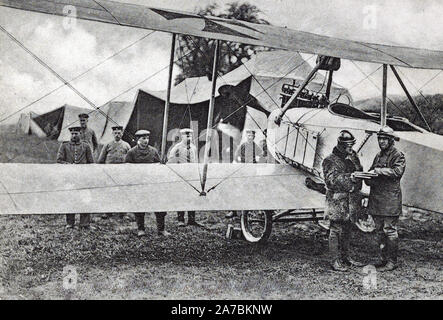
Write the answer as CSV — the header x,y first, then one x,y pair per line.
x,y
72,49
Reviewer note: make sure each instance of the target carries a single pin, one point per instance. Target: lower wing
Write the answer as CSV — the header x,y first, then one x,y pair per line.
x,y
100,188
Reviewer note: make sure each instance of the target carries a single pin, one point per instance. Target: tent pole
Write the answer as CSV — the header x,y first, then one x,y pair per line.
x,y
384,107
210,116
411,100
168,98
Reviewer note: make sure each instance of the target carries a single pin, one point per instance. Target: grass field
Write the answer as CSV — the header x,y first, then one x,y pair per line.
x,y
199,263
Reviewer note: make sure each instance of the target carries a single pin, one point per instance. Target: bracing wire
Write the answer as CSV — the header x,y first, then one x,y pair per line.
x,y
124,92
218,72
77,77
390,100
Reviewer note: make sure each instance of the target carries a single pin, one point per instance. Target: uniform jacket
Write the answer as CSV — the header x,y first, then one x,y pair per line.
x,y
183,152
78,153
88,135
385,197
114,152
139,155
248,152
264,146
343,199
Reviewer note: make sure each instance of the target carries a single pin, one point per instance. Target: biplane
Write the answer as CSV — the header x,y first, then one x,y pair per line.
x,y
299,135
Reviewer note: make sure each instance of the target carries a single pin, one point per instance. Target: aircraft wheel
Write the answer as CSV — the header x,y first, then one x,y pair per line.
x,y
256,226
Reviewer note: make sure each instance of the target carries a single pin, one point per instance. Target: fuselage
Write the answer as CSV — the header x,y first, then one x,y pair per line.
x,y
306,136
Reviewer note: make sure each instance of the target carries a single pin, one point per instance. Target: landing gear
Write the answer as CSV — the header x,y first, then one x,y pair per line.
x,y
256,226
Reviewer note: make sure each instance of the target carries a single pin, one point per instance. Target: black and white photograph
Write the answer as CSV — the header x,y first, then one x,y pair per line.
x,y
221,154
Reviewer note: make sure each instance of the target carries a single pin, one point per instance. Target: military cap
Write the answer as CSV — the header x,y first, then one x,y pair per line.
x,y
346,137
75,129
387,131
117,128
142,133
250,131
83,116
186,131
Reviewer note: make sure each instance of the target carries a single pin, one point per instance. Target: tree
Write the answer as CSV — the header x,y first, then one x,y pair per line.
x,y
431,107
198,62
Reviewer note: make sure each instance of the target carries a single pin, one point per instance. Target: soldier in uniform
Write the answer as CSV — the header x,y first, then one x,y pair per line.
x,y
76,152
249,151
342,196
184,152
385,198
144,153
86,134
264,147
114,152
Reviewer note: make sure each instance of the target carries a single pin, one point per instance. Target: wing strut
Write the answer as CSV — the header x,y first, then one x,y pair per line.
x,y
210,117
384,106
328,87
168,98
411,100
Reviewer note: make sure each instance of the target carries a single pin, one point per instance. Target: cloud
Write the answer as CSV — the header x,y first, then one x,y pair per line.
x,y
68,50
18,89
71,52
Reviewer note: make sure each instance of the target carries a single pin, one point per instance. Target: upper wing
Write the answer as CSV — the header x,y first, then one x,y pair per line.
x,y
101,188
232,30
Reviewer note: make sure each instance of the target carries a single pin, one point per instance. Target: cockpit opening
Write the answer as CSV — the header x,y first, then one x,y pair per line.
x,y
396,123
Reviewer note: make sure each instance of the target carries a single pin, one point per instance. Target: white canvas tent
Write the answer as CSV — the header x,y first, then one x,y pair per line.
x,y
189,101
26,125
56,123
257,84
267,70
23,124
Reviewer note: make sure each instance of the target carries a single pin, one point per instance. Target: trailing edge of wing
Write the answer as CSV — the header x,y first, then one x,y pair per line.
x,y
99,188
231,30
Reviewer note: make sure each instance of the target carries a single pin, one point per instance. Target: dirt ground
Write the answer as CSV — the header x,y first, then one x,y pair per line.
x,y
200,263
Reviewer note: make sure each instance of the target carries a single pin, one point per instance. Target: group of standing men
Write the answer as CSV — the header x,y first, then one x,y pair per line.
x,y
343,186
343,198
83,144
80,148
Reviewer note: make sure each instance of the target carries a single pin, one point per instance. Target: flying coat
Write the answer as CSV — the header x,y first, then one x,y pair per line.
x,y
385,198
342,194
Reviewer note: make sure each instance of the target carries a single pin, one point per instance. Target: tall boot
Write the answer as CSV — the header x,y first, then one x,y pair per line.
x,y
191,218
140,219
160,219
344,240
392,250
345,243
383,251
70,220
335,233
181,218
85,219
